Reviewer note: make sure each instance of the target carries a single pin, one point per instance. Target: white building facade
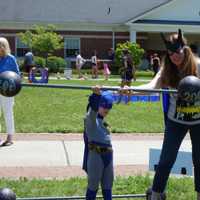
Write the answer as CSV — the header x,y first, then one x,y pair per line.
x,y
88,25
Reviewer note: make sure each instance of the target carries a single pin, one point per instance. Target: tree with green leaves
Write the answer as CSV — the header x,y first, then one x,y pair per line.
x,y
26,38
42,40
133,48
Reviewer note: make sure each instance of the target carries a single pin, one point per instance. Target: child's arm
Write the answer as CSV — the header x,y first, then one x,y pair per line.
x,y
94,103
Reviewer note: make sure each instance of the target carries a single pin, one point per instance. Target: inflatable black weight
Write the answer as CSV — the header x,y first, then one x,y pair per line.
x,y
10,83
188,101
7,194
189,89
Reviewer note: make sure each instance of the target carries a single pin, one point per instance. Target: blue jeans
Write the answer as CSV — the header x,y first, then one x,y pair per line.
x,y
173,137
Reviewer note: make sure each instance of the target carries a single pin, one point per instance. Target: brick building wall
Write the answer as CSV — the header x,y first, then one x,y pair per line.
x,y
89,41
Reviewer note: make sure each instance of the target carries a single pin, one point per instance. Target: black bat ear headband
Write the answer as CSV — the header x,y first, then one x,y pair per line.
x,y
176,43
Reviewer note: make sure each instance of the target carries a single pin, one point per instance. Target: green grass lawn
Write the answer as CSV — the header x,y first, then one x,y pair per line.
x,y
139,74
60,110
177,189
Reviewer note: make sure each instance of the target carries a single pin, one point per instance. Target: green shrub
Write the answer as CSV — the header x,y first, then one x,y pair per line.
x,y
39,61
56,64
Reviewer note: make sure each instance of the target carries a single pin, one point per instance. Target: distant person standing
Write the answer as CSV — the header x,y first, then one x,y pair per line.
x,y
128,70
28,61
111,58
106,71
111,55
155,63
127,74
79,63
94,65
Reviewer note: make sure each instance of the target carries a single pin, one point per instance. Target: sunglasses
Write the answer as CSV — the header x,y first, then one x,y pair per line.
x,y
177,51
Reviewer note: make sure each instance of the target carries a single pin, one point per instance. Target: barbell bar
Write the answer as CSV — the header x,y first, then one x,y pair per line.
x,y
81,87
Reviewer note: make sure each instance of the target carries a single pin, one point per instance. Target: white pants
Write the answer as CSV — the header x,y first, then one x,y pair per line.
x,y
6,104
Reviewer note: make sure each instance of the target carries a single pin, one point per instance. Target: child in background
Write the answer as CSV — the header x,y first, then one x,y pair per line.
x,y
106,71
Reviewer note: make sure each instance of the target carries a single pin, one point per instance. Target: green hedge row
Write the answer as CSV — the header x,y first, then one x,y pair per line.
x,y
53,63
58,64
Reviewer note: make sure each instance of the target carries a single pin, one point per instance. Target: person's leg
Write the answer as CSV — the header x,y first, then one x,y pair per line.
x,y
156,196
107,181
151,195
123,83
174,134
129,82
94,171
93,71
129,93
106,75
78,71
7,105
29,68
134,76
96,71
195,139
81,75
198,195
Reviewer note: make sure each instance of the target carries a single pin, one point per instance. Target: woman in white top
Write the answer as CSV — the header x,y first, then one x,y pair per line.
x,y
94,65
79,63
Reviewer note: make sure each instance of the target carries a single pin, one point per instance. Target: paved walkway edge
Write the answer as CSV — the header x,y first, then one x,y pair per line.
x,y
64,172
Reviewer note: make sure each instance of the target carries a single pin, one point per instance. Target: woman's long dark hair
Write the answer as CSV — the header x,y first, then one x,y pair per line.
x,y
171,74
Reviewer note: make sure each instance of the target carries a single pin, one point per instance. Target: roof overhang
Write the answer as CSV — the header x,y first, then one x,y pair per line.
x,y
76,26
165,26
152,10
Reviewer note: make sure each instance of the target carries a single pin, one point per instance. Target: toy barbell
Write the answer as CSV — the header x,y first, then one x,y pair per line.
x,y
10,85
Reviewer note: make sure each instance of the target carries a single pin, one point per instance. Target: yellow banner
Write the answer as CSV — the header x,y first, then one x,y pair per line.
x,y
192,109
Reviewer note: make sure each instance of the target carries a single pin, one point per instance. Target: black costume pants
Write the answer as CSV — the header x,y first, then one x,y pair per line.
x,y
174,135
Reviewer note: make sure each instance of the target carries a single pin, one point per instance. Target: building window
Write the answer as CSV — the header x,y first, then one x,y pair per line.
x,y
71,45
21,48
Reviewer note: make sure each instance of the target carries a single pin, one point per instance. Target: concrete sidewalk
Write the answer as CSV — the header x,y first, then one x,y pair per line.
x,y
58,152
